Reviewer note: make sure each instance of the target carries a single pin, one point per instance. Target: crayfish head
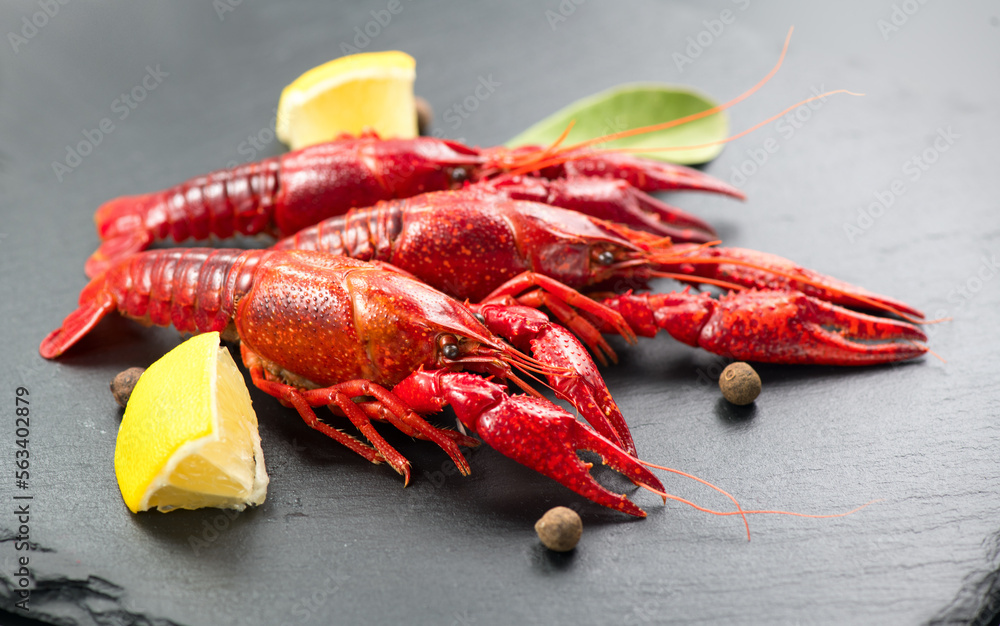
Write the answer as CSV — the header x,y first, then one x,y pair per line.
x,y
414,166
483,353
618,267
474,347
493,358
583,251
408,324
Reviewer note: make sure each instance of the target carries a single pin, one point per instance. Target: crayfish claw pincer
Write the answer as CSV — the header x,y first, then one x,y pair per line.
x,y
772,327
532,431
781,327
647,174
544,437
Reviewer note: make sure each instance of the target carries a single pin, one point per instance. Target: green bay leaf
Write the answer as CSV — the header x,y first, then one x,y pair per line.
x,y
632,106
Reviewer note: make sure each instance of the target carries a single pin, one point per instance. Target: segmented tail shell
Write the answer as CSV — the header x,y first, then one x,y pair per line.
x,y
194,290
241,200
366,234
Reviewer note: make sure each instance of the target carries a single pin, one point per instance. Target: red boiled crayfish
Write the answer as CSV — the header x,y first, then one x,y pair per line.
x,y
475,246
284,194
319,330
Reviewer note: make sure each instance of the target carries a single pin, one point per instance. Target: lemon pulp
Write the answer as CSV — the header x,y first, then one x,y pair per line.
x,y
189,436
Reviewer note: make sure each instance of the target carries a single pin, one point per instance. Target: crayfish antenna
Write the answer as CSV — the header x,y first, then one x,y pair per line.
x,y
666,495
739,509
534,160
662,176
525,387
743,133
701,281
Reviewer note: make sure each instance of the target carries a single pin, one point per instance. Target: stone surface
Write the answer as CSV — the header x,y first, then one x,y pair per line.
x,y
341,540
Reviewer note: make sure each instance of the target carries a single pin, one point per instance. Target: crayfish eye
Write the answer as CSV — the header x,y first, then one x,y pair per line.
x,y
606,258
479,316
459,175
449,346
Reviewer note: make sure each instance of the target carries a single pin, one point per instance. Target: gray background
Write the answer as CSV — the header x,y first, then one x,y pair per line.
x,y
341,541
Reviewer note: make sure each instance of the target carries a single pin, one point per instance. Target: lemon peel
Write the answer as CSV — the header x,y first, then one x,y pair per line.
x,y
370,90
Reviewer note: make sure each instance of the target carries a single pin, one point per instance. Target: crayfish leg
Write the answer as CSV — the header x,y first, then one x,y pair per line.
x,y
342,396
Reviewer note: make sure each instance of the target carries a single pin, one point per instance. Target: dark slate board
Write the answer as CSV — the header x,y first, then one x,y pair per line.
x,y
339,540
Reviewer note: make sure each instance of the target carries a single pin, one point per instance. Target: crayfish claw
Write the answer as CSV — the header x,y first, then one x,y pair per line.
x,y
761,270
772,327
544,437
532,431
582,385
857,337
607,199
780,327
648,174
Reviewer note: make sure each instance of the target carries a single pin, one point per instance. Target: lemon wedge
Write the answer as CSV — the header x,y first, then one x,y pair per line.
x,y
368,90
189,436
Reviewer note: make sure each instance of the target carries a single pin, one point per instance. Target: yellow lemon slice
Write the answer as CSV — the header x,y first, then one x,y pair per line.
x,y
368,90
189,436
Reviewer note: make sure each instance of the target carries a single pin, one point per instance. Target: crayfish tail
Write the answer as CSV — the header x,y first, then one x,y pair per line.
x,y
76,325
112,251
